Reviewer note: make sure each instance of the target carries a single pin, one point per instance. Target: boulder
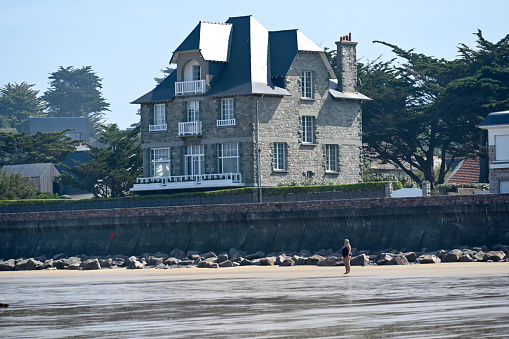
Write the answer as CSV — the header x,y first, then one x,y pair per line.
x,y
154,261
384,258
171,261
222,258
234,253
245,262
47,264
209,255
161,255
28,264
280,258
256,255
193,257
73,261
7,265
106,263
494,256
185,262
91,264
162,267
135,265
226,263
398,260
287,262
268,261
466,258
205,264
132,259
479,256
410,256
176,253
360,260
428,259
453,256
315,259
59,256
503,248
300,260
330,261
192,253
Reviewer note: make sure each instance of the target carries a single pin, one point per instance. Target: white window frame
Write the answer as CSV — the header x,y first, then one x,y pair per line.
x,y
193,111
228,151
194,160
159,118
227,113
306,84
160,157
280,156
196,72
502,147
331,158
307,123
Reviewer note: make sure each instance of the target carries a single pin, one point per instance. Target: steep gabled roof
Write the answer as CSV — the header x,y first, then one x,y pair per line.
x,y
253,59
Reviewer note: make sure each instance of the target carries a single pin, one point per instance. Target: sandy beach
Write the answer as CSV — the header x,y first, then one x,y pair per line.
x,y
272,272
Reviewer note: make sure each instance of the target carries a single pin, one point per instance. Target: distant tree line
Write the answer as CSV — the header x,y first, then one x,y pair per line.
x,y
424,106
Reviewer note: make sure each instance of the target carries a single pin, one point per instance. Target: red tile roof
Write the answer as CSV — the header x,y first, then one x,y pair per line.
x,y
468,172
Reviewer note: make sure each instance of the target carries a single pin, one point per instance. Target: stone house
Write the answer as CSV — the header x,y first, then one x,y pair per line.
x,y
497,125
249,107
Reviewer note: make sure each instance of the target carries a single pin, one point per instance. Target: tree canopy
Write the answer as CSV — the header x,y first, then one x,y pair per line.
x,y
113,169
424,106
15,187
76,92
23,148
18,102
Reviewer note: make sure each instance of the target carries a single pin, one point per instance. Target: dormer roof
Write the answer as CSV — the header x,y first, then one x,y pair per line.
x,y
210,39
250,57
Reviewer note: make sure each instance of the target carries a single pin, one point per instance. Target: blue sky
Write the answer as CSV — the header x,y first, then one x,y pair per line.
x,y
128,42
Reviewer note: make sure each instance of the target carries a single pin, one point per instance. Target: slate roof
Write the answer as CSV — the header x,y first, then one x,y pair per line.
x,y
496,118
31,170
466,172
59,124
246,58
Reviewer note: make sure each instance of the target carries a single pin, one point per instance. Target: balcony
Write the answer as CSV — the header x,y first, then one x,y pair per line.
x,y
156,128
188,181
189,87
226,122
190,128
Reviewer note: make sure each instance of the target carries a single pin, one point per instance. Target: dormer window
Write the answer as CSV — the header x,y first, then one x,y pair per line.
x,y
193,82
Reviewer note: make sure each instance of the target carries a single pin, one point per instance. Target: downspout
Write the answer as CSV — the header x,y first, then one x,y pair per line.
x,y
258,155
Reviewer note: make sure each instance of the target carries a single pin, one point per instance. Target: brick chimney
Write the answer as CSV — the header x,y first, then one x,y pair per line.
x,y
347,64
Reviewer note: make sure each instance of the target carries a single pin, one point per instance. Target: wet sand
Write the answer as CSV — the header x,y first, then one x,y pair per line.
x,y
415,301
273,272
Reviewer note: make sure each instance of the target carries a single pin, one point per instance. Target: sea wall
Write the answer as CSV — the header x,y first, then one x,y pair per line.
x,y
434,222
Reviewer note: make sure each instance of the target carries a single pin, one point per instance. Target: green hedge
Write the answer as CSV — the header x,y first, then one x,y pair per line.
x,y
279,190
444,188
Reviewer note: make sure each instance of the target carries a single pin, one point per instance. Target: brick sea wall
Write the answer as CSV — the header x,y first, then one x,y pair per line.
x,y
433,222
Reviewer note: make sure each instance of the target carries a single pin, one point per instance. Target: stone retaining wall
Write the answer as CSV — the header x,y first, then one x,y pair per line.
x,y
413,223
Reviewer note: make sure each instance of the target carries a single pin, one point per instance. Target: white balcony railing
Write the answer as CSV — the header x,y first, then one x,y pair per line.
x,y
226,122
189,87
190,128
160,127
188,181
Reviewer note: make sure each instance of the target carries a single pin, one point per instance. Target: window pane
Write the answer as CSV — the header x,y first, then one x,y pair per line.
x,y
331,158
193,111
196,72
501,147
306,85
159,115
307,129
227,109
160,159
279,156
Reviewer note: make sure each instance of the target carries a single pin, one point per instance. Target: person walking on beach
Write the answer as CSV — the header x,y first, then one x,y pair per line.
x,y
346,252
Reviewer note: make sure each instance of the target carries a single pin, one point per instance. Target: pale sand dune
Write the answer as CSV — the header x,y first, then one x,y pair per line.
x,y
269,272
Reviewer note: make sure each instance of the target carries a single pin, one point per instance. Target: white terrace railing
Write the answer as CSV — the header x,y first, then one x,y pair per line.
x,y
233,178
225,122
190,128
189,87
155,128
